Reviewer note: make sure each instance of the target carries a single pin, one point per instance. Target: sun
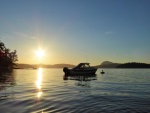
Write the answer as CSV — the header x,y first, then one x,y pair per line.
x,y
40,53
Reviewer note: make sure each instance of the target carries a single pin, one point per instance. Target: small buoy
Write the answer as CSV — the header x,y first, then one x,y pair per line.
x,y
102,72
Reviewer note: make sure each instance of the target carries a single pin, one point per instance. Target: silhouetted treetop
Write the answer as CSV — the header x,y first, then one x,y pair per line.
x,y
134,65
7,57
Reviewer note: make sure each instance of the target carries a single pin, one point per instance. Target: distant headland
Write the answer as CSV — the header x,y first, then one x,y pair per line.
x,y
105,64
108,64
33,66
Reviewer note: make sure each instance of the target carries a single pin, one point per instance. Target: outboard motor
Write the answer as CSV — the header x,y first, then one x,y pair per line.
x,y
65,70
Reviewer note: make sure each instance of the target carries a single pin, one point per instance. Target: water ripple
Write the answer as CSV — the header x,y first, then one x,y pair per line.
x,y
104,94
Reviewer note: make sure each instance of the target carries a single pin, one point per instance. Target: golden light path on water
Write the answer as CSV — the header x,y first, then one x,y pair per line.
x,y
38,83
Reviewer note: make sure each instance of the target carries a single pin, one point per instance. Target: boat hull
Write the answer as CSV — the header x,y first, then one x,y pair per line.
x,y
80,72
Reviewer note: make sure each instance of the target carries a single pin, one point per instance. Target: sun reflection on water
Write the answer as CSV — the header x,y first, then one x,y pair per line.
x,y
38,83
39,94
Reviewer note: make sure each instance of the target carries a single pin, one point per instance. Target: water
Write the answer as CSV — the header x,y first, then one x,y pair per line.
x,y
46,90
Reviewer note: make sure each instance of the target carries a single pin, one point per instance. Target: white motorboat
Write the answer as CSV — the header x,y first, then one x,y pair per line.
x,y
80,69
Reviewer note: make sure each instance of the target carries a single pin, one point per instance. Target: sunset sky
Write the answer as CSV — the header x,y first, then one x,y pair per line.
x,y
73,31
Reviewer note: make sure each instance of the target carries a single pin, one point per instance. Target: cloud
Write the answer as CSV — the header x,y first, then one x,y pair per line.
x,y
1,37
109,32
23,35
17,35
5,37
33,37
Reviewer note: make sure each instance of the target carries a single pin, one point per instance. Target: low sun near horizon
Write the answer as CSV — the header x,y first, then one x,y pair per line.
x,y
40,53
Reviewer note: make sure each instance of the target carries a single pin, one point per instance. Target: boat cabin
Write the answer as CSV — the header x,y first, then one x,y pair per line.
x,y
82,66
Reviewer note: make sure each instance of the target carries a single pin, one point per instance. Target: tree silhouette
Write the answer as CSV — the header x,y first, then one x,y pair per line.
x,y
7,58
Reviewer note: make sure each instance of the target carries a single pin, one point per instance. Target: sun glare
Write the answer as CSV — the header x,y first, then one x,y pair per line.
x,y
40,53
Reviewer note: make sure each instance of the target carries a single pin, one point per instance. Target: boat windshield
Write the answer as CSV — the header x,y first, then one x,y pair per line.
x,y
81,66
86,65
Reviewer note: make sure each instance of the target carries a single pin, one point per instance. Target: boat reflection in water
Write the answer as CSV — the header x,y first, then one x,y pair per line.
x,y
38,83
83,80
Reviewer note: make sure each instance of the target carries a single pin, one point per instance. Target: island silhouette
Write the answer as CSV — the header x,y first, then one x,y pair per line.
x,y
105,64
108,64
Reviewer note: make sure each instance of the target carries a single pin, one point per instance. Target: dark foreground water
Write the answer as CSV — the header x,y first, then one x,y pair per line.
x,y
46,90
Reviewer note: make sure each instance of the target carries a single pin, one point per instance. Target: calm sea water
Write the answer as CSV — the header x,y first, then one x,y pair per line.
x,y
47,90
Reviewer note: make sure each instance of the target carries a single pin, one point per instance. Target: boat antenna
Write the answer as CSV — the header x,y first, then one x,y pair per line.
x,y
86,56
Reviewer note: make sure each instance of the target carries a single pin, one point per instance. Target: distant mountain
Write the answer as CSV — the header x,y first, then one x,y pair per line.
x,y
108,64
21,66
134,65
59,66
105,64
